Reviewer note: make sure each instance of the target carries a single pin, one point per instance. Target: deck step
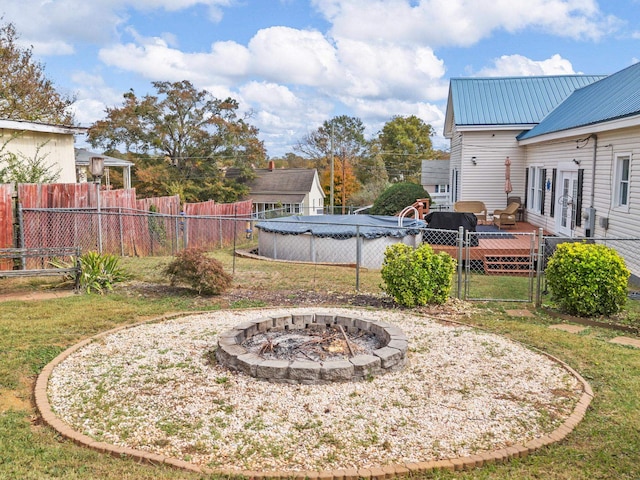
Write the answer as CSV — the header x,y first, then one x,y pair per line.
x,y
507,264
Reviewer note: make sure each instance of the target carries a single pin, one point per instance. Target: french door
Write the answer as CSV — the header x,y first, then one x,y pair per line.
x,y
568,188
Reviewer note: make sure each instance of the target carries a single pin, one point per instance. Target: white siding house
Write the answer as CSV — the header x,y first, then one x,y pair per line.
x,y
434,178
483,118
574,144
290,190
586,153
52,143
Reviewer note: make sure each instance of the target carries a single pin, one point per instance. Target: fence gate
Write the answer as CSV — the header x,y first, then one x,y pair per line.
x,y
499,265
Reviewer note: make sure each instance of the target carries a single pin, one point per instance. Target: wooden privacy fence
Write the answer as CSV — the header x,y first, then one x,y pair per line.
x,y
114,221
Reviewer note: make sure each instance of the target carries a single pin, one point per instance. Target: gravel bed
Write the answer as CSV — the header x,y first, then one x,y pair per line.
x,y
153,387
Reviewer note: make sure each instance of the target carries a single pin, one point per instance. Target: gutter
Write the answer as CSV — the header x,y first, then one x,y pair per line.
x,y
591,220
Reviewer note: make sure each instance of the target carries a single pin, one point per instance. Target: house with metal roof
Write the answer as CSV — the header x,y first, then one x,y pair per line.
x,y
288,190
483,118
582,162
574,143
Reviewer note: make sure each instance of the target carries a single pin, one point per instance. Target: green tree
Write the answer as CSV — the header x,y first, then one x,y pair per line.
x,y
405,142
342,136
25,92
182,136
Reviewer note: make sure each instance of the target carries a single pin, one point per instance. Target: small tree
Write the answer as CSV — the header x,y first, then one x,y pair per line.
x,y
18,168
587,279
397,197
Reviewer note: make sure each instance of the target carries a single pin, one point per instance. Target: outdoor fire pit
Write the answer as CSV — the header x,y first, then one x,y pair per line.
x,y
313,348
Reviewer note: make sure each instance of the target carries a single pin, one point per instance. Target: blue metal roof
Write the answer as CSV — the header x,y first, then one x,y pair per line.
x,y
511,100
616,96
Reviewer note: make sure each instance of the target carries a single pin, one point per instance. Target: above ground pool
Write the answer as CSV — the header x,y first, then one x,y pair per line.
x,y
343,239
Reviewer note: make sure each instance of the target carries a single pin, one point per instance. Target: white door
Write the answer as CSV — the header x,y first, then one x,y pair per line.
x,y
568,189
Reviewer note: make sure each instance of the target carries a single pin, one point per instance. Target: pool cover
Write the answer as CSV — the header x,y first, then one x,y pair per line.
x,y
343,226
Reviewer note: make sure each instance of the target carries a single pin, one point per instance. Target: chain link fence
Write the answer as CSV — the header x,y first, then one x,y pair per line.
x,y
491,265
127,232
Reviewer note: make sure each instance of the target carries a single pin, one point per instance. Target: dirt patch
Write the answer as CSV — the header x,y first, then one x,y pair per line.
x,y
454,309
10,401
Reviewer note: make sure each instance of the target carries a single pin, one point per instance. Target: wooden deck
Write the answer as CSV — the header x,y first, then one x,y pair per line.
x,y
507,252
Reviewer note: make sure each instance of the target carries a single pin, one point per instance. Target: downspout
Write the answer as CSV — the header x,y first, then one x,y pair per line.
x,y
591,221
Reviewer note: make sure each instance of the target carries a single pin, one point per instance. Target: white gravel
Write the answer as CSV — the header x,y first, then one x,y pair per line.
x,y
151,388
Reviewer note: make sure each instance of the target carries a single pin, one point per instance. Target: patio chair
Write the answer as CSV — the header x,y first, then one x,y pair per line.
x,y
520,212
506,217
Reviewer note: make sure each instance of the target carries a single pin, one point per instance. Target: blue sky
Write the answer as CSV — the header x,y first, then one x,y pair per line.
x,y
294,64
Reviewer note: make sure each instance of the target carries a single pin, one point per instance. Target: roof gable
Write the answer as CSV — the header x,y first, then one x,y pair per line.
x,y
614,97
294,180
508,100
279,182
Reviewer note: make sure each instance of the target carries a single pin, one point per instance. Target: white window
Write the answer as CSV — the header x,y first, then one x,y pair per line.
x,y
621,194
536,186
442,188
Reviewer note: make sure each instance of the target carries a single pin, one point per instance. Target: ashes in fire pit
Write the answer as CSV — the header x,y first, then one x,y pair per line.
x,y
331,343
313,348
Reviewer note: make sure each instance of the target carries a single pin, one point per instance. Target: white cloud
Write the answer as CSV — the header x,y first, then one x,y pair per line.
x,y
52,27
386,70
518,65
462,22
93,97
288,55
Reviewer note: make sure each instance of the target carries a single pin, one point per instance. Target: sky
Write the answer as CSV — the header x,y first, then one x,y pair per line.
x,y
293,64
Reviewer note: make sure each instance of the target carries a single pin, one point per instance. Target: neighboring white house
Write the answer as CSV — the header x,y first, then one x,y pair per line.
x,y
52,143
483,118
290,190
434,179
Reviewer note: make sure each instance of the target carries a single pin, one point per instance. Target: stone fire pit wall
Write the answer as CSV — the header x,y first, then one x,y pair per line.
x,y
390,356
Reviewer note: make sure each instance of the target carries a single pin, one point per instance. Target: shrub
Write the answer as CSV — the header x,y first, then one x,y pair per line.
x,y
397,197
194,268
417,276
587,279
100,271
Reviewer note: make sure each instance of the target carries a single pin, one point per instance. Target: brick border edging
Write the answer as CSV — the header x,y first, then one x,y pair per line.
x,y
374,473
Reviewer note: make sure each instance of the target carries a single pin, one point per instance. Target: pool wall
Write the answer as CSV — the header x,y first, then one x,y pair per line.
x,y
310,248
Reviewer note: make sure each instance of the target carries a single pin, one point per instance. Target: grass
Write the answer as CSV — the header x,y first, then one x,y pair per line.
x,y
605,445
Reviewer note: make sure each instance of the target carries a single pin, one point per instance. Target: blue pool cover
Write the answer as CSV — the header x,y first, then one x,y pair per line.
x,y
343,226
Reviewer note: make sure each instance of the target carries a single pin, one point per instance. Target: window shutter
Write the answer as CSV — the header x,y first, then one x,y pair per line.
x,y
578,202
544,190
554,177
526,186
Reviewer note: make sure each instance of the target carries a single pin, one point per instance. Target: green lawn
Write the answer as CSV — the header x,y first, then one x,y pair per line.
x,y
606,445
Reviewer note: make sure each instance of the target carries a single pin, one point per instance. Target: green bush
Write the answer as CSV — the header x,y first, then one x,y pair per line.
x,y
587,279
418,276
397,197
194,268
100,271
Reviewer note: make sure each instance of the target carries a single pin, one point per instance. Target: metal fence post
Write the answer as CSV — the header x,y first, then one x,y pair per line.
x,y
185,235
539,268
460,241
99,219
121,232
176,229
235,231
358,257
